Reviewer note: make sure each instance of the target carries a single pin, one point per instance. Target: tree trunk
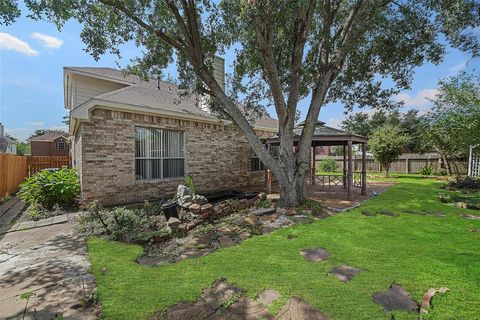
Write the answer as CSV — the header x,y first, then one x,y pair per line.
x,y
293,190
387,170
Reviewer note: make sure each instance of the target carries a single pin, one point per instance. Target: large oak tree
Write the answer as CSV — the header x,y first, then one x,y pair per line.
x,y
286,51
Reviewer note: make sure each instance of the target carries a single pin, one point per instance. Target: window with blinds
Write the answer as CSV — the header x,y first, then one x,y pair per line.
x,y
159,153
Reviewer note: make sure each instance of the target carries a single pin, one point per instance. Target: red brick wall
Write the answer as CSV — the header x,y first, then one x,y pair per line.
x,y
47,149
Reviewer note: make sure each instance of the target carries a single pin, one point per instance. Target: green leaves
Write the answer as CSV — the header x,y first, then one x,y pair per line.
x,y
47,188
386,144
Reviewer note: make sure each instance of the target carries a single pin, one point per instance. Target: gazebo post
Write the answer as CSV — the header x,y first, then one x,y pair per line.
x,y
364,168
314,166
349,173
344,176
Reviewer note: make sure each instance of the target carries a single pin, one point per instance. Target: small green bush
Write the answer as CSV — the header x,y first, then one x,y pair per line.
x,y
47,189
190,183
426,171
327,165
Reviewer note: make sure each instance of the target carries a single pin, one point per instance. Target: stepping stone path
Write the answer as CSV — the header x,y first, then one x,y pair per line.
x,y
315,255
224,301
297,309
267,296
396,298
345,273
221,301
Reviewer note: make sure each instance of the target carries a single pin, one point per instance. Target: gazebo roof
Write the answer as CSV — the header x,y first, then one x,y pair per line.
x,y
323,136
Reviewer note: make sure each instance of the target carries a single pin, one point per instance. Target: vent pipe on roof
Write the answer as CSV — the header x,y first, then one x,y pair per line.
x,y
158,83
1,130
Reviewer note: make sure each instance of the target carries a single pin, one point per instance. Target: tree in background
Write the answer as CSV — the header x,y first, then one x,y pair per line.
x,y
386,144
454,122
410,122
23,149
285,51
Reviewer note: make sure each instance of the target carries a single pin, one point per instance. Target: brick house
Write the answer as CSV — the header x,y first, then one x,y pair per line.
x,y
50,144
135,140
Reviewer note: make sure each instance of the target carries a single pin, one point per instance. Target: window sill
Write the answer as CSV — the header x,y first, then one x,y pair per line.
x,y
149,181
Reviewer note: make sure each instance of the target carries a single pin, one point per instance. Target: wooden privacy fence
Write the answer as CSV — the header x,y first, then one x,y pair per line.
x,y
38,163
13,170
406,163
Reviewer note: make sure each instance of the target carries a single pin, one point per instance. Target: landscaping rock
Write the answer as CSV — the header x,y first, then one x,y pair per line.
x,y
219,293
315,254
471,217
199,199
174,224
345,273
427,298
184,194
226,241
297,309
281,210
263,211
282,221
246,309
201,240
185,310
251,220
195,253
195,208
267,296
206,208
396,298
269,217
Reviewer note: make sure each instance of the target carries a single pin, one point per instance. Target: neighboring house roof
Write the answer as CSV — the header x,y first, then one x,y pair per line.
x,y
49,136
4,142
152,94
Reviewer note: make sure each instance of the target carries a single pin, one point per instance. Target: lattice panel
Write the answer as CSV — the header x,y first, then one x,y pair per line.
x,y
475,161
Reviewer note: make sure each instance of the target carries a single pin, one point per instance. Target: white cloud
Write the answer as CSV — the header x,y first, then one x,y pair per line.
x,y
47,41
9,42
334,123
421,99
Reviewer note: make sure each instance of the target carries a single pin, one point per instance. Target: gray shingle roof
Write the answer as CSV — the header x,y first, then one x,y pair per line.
x,y
4,142
146,94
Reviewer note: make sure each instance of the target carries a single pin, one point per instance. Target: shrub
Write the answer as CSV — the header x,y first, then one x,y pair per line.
x,y
464,183
190,183
327,165
47,188
426,171
122,224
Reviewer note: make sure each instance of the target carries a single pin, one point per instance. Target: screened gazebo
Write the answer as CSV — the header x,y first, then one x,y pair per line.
x,y
327,136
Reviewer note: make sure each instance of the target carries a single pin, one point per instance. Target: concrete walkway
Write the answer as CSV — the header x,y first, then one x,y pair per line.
x,y
44,271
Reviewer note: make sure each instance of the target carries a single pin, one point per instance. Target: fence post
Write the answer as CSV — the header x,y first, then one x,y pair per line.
x,y
407,169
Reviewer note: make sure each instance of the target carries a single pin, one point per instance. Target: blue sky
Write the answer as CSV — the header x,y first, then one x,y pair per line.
x,y
32,55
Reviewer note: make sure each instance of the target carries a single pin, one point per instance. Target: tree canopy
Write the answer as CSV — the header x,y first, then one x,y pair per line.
x,y
285,51
409,122
454,121
386,144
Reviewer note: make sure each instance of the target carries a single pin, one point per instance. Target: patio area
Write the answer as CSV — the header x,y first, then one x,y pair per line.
x,y
333,196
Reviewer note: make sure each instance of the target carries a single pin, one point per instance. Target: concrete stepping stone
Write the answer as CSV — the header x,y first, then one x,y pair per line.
x,y
297,309
388,213
219,293
418,213
292,236
186,310
315,254
395,298
345,273
245,309
368,214
268,296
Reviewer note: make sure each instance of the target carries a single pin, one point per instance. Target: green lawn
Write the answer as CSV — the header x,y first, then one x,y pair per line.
x,y
417,252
